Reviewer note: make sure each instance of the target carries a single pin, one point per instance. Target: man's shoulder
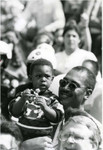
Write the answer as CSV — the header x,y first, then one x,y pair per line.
x,y
87,54
100,127
96,121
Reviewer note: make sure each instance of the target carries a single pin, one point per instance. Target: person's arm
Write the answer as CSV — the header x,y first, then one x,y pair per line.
x,y
88,6
49,112
85,32
20,103
24,20
87,40
58,18
94,14
39,143
18,106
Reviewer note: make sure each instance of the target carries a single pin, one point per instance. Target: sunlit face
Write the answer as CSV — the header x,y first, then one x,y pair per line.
x,y
8,142
76,137
72,92
42,77
71,41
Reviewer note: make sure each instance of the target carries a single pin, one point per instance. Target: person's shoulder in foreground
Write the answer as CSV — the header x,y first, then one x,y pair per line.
x,y
10,137
71,136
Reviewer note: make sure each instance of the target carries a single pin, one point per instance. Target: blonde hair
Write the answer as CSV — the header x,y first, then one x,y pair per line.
x,y
90,124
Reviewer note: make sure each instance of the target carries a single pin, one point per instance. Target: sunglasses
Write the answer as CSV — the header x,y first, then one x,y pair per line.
x,y
71,85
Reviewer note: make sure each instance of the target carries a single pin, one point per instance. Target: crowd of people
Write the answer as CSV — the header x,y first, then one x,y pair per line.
x,y
51,75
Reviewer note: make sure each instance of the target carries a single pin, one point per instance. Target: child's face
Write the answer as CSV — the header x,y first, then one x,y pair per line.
x,y
42,77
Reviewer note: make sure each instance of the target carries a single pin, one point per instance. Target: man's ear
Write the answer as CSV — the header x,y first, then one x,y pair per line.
x,y
94,145
52,78
88,93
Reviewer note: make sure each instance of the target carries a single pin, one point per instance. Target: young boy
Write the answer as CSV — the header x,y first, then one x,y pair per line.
x,y
37,108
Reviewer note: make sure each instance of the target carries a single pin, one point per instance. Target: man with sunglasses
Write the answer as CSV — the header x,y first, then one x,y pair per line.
x,y
74,89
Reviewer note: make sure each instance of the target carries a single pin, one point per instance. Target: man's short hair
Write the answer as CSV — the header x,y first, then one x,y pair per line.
x,y
40,62
90,80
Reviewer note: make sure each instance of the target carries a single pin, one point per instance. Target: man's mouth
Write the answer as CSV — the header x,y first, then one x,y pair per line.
x,y
65,94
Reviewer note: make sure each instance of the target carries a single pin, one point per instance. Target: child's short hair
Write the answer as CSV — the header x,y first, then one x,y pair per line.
x,y
40,62
28,64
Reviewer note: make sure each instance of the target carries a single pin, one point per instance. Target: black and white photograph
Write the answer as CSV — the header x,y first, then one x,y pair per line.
x,y
51,75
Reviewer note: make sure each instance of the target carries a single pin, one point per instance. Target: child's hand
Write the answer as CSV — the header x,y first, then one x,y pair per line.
x,y
41,101
26,95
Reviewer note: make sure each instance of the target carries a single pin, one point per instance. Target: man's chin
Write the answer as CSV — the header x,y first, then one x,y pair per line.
x,y
66,104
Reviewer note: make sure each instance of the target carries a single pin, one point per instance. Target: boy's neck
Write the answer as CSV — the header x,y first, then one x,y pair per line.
x,y
42,92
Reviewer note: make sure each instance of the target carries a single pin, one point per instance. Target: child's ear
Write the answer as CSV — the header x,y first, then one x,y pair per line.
x,y
29,76
88,93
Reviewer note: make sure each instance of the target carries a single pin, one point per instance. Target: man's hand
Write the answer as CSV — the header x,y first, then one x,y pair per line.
x,y
40,143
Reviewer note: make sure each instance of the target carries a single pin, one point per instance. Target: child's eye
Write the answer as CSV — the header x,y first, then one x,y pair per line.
x,y
38,76
41,76
47,76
